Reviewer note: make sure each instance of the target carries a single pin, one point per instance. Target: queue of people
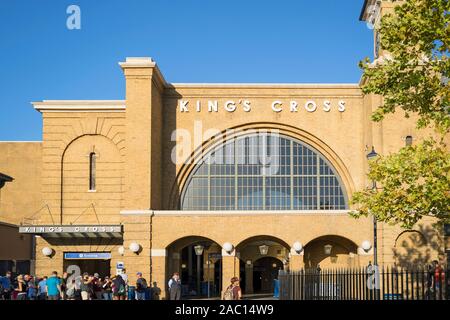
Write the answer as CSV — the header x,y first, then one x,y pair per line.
x,y
65,287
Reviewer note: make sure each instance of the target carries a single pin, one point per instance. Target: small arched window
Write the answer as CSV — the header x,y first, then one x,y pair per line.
x,y
408,141
92,160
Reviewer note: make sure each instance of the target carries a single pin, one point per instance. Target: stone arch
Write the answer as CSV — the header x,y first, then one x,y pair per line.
x,y
343,252
262,238
255,268
196,270
411,248
189,240
289,131
78,204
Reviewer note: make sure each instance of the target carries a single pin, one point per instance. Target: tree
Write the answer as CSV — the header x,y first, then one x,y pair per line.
x,y
415,183
411,74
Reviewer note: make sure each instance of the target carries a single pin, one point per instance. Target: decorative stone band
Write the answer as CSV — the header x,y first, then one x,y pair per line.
x,y
80,105
233,212
158,252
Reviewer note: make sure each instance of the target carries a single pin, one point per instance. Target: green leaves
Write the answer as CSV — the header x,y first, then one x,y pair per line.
x,y
413,183
416,38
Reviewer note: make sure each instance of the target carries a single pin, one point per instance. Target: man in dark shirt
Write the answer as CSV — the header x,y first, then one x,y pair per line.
x,y
141,287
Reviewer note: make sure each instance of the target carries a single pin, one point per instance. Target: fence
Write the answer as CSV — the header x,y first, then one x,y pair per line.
x,y
371,283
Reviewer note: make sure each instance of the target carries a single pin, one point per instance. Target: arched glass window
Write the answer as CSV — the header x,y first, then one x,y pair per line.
x,y
263,171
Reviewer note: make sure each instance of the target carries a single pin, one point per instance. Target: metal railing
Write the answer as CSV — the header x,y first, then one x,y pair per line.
x,y
371,283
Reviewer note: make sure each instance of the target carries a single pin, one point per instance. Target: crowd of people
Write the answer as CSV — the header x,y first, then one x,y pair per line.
x,y
93,287
65,287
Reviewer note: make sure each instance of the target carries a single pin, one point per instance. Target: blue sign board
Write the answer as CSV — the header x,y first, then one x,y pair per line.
x,y
87,255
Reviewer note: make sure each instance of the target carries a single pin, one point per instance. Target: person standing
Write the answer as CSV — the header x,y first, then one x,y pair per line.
x,y
237,291
21,288
119,288
53,285
124,276
233,291
107,289
6,285
64,285
97,287
141,286
42,289
439,278
86,287
175,287
31,288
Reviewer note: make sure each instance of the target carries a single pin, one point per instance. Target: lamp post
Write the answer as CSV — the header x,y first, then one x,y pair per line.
x,y
199,252
371,156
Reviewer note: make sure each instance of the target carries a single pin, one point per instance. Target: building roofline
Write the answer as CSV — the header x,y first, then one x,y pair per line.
x,y
363,10
264,85
19,141
79,105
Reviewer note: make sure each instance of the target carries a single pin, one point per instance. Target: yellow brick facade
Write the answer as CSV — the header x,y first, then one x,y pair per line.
x,y
138,185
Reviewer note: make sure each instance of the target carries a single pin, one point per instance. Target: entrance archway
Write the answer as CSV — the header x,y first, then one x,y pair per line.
x,y
261,258
265,271
198,260
331,251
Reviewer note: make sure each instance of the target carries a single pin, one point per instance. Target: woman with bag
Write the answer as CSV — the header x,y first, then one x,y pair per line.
x,y
233,291
119,289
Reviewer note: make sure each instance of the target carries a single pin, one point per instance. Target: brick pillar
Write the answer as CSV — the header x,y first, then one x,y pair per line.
x,y
144,89
296,261
158,269
229,269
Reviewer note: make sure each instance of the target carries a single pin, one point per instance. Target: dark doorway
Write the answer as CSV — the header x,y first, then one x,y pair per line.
x,y
265,271
90,266
201,275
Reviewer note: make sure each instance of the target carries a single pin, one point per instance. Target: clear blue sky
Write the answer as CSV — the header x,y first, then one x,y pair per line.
x,y
191,40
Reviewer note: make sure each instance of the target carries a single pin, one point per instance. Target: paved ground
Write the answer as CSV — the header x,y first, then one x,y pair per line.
x,y
263,296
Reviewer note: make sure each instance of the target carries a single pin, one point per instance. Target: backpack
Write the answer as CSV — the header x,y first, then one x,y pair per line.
x,y
141,285
228,295
121,289
71,292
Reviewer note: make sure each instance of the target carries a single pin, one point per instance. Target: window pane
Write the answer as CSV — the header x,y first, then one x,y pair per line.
x,y
263,172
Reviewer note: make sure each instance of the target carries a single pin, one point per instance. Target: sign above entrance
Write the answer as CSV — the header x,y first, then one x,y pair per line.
x,y
74,231
277,106
87,255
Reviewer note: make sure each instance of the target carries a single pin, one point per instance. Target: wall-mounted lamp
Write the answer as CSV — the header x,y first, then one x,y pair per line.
x,y
135,247
327,249
297,246
263,249
121,250
46,251
366,245
228,247
199,249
